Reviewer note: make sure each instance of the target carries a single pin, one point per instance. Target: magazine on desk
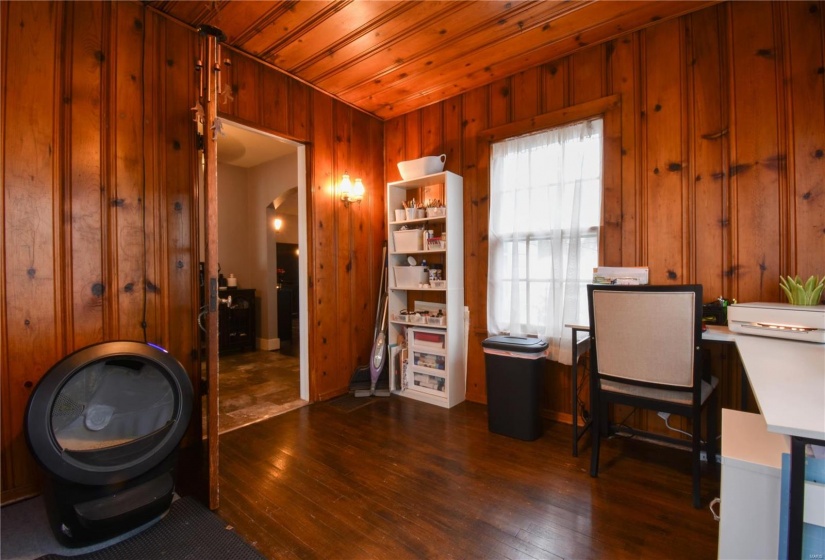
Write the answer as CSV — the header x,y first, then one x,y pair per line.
x,y
626,275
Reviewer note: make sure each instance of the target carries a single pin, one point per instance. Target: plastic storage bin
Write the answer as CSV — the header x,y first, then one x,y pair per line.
x,y
514,367
410,276
406,240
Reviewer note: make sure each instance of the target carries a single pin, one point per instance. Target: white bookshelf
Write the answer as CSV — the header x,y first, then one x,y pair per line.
x,y
448,297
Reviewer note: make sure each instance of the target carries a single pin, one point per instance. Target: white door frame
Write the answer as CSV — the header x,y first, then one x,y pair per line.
x,y
303,248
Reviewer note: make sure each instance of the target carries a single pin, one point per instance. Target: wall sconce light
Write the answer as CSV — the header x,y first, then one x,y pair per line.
x,y
351,192
278,224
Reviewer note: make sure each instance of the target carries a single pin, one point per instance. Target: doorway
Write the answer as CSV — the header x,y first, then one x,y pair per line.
x,y
259,377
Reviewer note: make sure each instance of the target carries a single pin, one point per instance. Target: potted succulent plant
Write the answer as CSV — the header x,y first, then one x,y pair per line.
x,y
798,293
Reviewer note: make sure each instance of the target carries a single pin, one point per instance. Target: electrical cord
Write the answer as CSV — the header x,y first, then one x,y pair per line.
x,y
583,412
582,406
629,434
669,427
715,502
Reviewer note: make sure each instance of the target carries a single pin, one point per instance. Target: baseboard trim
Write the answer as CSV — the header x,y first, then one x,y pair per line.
x,y
269,343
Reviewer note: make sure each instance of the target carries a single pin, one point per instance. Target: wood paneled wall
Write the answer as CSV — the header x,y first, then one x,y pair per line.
x,y
722,178
100,210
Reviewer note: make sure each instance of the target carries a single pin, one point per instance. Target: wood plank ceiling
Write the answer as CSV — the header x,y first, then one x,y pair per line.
x,y
392,57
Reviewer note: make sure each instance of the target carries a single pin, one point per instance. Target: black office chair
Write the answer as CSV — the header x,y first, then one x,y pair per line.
x,y
645,352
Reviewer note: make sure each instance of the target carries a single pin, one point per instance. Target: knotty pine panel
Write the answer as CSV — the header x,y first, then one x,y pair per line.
x,y
293,55
178,208
432,130
475,171
246,88
363,297
755,152
32,318
375,203
501,110
234,23
333,65
610,238
126,190
708,150
623,57
711,213
554,84
395,142
495,60
587,75
805,56
85,203
412,128
289,17
526,94
411,61
367,227
324,263
275,106
453,124
665,214
343,221
298,106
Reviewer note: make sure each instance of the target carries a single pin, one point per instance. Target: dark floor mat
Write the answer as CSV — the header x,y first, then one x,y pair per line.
x,y
348,403
189,531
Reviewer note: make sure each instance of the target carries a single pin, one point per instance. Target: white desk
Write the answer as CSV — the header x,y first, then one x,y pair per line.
x,y
788,381
718,334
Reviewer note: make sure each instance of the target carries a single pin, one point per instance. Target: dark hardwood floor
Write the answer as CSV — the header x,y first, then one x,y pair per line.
x,y
395,478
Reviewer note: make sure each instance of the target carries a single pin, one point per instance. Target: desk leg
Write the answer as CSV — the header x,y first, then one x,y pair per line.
x,y
743,390
797,498
574,389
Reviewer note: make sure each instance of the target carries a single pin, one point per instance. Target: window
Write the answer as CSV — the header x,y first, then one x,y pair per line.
x,y
545,212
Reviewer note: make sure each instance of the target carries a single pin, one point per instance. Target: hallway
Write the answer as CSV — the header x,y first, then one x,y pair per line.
x,y
255,386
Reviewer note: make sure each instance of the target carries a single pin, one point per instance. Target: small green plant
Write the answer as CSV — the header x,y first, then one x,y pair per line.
x,y
798,293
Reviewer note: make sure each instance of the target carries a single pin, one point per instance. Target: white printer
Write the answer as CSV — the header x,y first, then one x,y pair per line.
x,y
779,320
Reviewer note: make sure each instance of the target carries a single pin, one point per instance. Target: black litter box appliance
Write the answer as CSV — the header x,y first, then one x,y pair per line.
x,y
105,423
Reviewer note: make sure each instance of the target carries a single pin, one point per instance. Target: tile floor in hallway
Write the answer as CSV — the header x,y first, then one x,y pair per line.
x,y
254,386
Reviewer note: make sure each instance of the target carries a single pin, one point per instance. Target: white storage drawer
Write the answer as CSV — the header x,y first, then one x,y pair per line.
x,y
429,360
427,381
429,339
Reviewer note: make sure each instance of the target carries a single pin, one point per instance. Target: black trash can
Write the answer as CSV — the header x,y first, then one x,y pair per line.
x,y
514,368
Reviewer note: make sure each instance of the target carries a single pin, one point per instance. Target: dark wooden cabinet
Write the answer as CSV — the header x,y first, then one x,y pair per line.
x,y
236,321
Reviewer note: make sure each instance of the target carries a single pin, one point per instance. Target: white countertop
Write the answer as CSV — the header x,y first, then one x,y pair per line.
x,y
788,380
718,333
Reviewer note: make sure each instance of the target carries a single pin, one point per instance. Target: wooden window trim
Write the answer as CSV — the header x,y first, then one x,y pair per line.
x,y
561,117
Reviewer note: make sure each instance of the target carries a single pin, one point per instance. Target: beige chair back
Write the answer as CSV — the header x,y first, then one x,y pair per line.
x,y
646,336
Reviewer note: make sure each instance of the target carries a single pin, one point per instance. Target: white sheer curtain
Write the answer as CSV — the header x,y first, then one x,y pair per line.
x,y
545,211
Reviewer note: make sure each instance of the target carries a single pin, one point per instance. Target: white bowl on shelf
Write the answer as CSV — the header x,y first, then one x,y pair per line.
x,y
422,166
